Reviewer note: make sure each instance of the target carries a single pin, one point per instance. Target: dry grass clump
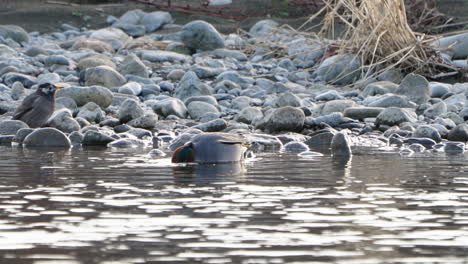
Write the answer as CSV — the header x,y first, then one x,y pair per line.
x,y
378,32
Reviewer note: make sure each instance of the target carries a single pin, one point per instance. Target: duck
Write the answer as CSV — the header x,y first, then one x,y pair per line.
x,y
215,147
36,109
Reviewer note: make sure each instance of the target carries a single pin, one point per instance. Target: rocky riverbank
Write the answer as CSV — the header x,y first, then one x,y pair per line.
x,y
145,82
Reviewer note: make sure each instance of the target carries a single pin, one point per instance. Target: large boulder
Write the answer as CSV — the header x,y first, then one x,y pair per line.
x,y
263,28
47,137
83,95
14,32
63,120
339,69
201,36
10,127
190,85
155,20
394,116
286,118
416,88
96,138
104,76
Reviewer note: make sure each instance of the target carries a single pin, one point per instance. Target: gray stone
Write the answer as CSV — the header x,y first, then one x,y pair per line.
x,y
416,88
49,78
454,147
128,143
241,102
201,36
417,148
436,110
47,137
426,131
337,106
7,52
425,142
83,95
16,33
131,17
96,138
103,76
322,138
91,112
361,113
26,80
249,115
22,134
95,61
190,85
234,76
288,99
395,116
296,147
6,140
131,30
215,125
381,87
456,46
56,60
93,45
110,33
459,133
63,121
132,88
438,89
206,72
283,119
340,146
134,66
459,99
339,69
76,137
147,121
129,110
156,153
333,119
17,91
140,133
202,98
169,106
261,143
10,127
155,20
263,28
197,109
160,56
391,100
329,96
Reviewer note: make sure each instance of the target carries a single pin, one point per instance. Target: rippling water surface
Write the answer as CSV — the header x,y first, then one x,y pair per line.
x,y
101,206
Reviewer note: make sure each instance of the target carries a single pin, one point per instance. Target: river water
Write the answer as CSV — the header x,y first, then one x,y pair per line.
x,y
103,206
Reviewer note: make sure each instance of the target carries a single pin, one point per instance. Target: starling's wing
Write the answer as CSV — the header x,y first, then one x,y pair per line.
x,y
27,105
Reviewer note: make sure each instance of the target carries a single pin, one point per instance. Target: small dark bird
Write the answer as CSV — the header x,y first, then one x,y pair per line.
x,y
37,107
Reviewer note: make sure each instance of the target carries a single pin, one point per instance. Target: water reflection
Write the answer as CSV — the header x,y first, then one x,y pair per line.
x,y
100,206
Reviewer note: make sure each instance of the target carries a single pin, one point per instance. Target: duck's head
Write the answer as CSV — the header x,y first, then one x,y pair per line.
x,y
185,153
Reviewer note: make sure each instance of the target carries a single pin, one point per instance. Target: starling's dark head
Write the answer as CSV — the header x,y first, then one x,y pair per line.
x,y
48,89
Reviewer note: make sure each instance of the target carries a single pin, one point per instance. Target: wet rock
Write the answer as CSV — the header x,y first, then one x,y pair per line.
x,y
126,143
47,137
339,69
295,147
417,148
76,138
201,36
134,66
249,114
140,133
438,89
361,113
6,140
426,131
340,145
22,134
104,76
169,106
155,20
63,121
129,110
212,126
454,147
92,44
263,28
395,116
329,96
95,61
416,88
320,138
190,85
96,138
459,133
147,121
16,33
10,127
91,112
426,142
283,119
392,100
156,153
378,88
263,143
333,119
337,106
83,95
132,88
197,109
